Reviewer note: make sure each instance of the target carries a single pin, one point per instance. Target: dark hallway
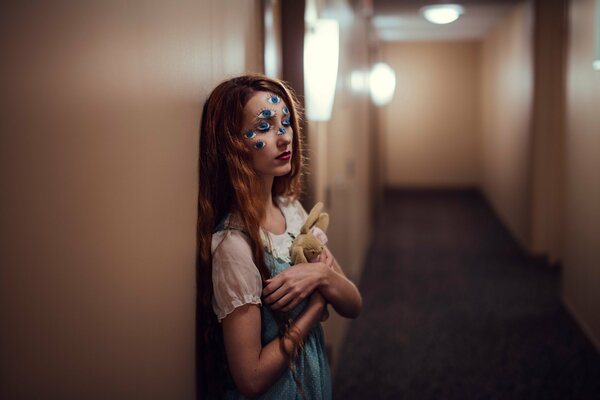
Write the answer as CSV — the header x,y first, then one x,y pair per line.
x,y
453,309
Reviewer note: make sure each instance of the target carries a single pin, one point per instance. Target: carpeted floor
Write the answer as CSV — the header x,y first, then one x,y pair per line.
x,y
453,309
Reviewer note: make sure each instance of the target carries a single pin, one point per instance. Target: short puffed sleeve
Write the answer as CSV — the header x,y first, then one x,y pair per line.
x,y
236,280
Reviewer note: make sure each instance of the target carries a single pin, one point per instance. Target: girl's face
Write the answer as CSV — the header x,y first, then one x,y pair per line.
x,y
268,133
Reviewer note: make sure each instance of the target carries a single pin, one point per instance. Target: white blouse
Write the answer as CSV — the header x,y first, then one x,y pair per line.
x,y
236,279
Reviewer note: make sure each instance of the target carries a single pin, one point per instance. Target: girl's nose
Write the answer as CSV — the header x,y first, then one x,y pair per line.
x,y
284,136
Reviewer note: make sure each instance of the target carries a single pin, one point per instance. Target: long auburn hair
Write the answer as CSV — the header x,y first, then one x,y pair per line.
x,y
229,185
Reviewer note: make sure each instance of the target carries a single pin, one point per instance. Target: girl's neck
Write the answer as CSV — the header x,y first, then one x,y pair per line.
x,y
267,193
272,220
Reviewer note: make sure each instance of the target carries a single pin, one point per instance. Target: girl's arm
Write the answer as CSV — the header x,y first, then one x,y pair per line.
x,y
338,290
255,368
287,289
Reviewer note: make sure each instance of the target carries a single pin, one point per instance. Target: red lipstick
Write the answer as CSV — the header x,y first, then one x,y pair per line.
x,y
286,155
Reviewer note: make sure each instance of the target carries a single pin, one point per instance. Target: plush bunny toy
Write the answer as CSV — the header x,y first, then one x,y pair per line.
x,y
312,239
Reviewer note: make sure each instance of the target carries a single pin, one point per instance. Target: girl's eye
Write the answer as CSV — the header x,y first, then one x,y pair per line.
x,y
250,134
285,110
264,126
260,145
286,122
266,114
281,131
273,99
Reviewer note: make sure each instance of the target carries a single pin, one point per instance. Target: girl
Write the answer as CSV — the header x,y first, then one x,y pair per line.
x,y
248,216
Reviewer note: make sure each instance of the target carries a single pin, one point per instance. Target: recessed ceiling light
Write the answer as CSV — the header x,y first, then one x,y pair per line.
x,y
442,13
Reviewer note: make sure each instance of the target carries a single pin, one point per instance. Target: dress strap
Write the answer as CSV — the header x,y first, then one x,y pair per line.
x,y
230,222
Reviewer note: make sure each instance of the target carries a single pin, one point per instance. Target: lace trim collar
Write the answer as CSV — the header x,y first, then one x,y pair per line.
x,y
280,245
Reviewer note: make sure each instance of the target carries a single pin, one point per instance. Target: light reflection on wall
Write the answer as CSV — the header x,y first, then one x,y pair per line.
x,y
359,81
382,83
272,54
596,63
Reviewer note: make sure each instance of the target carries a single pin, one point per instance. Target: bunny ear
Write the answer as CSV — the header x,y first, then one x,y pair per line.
x,y
323,222
312,217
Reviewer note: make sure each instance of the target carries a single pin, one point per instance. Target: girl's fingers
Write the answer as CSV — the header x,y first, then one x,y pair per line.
x,y
275,295
281,302
292,304
328,257
272,285
324,258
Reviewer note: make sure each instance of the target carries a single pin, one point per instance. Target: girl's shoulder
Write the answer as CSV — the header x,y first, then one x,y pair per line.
x,y
230,227
235,277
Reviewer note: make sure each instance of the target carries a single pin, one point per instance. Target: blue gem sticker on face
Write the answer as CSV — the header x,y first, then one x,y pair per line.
x,y
260,145
273,99
266,114
281,131
286,110
250,134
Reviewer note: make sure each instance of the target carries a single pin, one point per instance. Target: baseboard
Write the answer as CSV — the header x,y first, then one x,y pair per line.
x,y
589,333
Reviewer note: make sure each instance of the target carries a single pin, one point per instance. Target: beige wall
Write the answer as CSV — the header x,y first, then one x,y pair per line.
x,y
523,102
431,127
581,267
101,108
548,128
488,114
339,159
507,106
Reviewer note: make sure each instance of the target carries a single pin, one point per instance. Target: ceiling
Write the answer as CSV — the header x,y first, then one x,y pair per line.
x,y
401,20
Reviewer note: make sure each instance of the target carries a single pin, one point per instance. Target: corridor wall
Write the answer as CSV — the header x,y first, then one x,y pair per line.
x,y
101,104
431,129
507,107
581,266
523,103
339,154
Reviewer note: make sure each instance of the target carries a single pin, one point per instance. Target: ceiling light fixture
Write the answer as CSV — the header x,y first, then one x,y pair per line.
x,y
442,13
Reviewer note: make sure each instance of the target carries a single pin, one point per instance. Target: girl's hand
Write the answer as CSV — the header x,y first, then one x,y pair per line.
x,y
287,289
325,257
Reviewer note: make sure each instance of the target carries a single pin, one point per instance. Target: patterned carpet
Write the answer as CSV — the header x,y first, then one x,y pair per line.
x,y
453,309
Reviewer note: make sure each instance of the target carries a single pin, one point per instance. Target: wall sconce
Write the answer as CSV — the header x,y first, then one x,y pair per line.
x,y
382,83
442,13
321,55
